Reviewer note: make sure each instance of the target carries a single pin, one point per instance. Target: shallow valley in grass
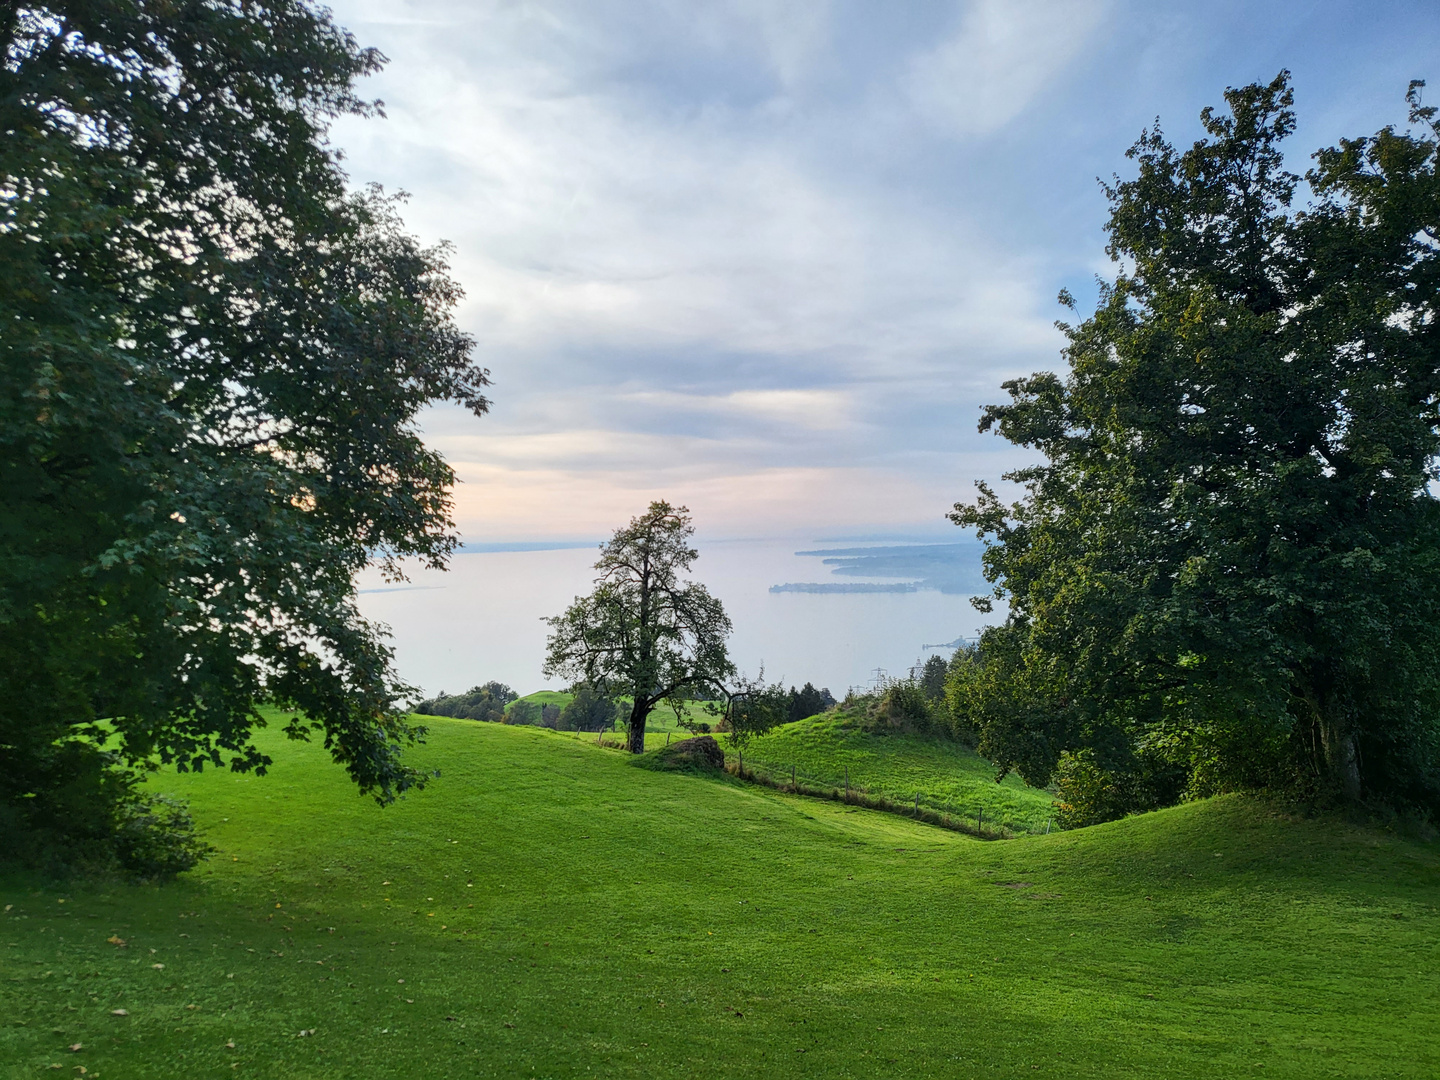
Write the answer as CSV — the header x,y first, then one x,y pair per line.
x,y
544,909
828,748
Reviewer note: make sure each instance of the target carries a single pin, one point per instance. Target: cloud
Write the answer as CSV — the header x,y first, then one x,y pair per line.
x,y
1002,57
740,245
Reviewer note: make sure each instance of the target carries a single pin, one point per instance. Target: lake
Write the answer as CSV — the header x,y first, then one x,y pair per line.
x,y
481,619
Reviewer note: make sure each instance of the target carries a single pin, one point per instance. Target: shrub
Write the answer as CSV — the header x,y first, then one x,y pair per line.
x,y
904,706
1092,791
89,817
156,838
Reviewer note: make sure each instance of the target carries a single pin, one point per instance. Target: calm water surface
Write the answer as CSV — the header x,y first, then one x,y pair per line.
x,y
481,619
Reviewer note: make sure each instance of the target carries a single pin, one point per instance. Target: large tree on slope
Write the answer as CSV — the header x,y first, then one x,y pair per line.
x,y
644,633
1226,571
214,353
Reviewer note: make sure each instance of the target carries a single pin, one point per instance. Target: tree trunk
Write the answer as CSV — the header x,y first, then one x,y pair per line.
x,y
1338,745
1342,757
635,742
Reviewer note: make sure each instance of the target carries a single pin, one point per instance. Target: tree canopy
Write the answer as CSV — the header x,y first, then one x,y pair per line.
x,y
214,355
644,633
1224,571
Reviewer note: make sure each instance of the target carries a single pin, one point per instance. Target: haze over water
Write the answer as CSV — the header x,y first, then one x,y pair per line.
x,y
481,619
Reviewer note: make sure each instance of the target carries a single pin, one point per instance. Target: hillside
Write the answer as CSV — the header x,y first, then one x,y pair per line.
x,y
545,910
662,720
946,775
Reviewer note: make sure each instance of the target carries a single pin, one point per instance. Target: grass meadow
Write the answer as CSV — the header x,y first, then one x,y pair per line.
x,y
825,749
546,910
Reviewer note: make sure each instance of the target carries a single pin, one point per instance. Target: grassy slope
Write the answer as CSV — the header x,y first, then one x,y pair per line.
x,y
946,775
579,917
661,721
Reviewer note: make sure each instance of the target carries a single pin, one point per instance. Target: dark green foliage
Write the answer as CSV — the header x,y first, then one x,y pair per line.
x,y
485,702
904,706
588,710
807,702
754,707
1226,572
644,633
915,704
156,837
931,677
524,712
93,817
214,355
1090,793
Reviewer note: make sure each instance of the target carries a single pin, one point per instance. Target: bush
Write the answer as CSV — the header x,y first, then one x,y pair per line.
x,y
904,705
156,837
88,817
1092,792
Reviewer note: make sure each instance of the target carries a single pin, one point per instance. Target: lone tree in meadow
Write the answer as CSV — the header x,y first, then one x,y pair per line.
x,y
644,633
1225,572
215,352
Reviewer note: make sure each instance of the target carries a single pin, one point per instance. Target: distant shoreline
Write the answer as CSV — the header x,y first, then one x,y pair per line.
x,y
847,587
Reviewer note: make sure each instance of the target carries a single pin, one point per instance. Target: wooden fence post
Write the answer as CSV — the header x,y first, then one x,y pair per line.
x,y
917,804
980,818
847,783
792,779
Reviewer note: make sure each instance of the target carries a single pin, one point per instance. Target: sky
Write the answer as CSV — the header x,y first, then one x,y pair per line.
x,y
770,259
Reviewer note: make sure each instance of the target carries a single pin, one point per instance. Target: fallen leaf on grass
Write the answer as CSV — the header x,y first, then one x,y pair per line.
x,y
119,1012
75,1048
230,1045
158,967
113,939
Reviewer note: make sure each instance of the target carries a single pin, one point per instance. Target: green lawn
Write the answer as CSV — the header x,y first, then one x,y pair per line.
x,y
547,910
945,775
662,719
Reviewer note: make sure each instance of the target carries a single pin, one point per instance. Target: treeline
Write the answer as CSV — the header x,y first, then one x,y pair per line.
x,y
494,702
590,710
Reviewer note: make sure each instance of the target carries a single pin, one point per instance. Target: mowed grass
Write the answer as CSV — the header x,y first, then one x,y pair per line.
x,y
661,722
547,910
945,775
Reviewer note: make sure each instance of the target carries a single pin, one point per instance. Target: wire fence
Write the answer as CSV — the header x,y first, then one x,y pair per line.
x,y
972,819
